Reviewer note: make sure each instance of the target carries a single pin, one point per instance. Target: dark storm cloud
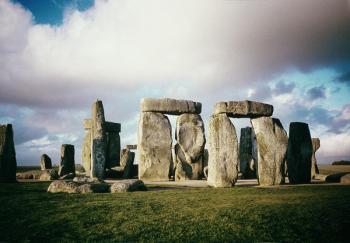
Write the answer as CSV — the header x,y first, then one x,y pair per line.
x,y
315,93
283,88
344,78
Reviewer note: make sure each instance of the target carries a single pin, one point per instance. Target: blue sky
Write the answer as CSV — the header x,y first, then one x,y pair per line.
x,y
57,57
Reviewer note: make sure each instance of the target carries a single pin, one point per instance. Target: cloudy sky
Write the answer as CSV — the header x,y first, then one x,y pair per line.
x,y
57,57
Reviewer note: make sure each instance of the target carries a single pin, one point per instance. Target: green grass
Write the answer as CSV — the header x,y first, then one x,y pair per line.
x,y
292,214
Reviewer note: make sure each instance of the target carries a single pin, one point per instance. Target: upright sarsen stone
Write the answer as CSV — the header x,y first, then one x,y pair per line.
x,y
154,147
315,146
272,143
126,162
86,148
8,163
67,163
223,152
112,130
299,153
247,166
45,162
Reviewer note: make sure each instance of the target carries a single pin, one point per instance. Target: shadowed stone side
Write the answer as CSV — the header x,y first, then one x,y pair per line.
x,y
154,147
67,164
170,106
272,143
113,149
223,152
126,162
299,153
246,108
247,162
8,163
315,146
45,162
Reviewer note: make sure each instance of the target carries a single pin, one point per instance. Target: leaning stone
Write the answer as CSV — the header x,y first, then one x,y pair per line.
x,y
86,152
246,108
247,167
191,141
154,147
170,106
45,162
345,179
49,175
127,161
272,143
8,163
128,186
77,187
315,146
67,163
113,149
223,152
299,153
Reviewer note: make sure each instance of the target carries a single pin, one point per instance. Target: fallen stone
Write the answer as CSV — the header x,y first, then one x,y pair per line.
x,y
128,186
335,177
154,147
170,106
67,163
87,179
299,153
315,146
113,149
247,167
272,143
345,179
45,162
223,152
49,175
77,187
246,108
8,163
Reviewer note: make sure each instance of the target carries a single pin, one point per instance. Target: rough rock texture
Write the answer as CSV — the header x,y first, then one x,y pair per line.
x,y
67,164
45,162
77,187
87,179
49,175
272,141
8,163
315,146
246,108
190,148
154,147
98,152
126,162
247,166
170,106
113,149
299,153
223,152
345,179
128,186
86,151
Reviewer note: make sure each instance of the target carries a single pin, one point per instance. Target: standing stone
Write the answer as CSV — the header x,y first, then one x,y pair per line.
x,y
223,152
45,162
67,164
299,153
315,146
189,152
246,159
86,148
272,141
98,151
8,163
154,147
113,149
126,162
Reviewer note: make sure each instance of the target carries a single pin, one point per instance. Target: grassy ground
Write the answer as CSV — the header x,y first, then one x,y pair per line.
x,y
294,214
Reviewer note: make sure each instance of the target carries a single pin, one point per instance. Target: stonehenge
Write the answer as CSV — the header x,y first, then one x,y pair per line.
x,y
8,163
67,163
45,162
315,146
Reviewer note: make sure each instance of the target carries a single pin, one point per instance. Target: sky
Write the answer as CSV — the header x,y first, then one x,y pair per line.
x,y
58,57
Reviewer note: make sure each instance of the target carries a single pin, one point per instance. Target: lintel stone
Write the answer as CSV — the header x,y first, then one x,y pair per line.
x,y
170,106
243,109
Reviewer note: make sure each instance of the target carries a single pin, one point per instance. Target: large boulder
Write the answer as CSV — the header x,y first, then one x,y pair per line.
x,y
315,146
190,148
247,162
67,163
223,152
49,175
246,108
78,187
45,162
299,153
86,148
128,186
272,143
170,106
8,163
126,162
154,146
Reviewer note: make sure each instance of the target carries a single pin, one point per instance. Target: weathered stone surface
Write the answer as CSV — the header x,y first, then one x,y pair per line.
x,y
315,146
8,163
190,148
299,153
128,186
49,175
272,141
111,127
170,106
98,152
69,176
131,146
126,162
154,146
87,123
345,179
77,187
223,152
86,152
87,179
45,162
113,149
67,163
247,166
246,108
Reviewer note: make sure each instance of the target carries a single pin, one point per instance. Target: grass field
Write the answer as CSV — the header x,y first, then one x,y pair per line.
x,y
292,214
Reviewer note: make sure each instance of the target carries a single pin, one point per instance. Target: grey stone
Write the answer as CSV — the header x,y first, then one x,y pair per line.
x,y
45,162
191,141
223,152
247,162
345,179
49,175
299,153
87,179
315,146
98,152
126,162
8,163
111,127
128,186
86,151
272,143
154,147
113,149
77,187
67,163
246,108
69,176
170,106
